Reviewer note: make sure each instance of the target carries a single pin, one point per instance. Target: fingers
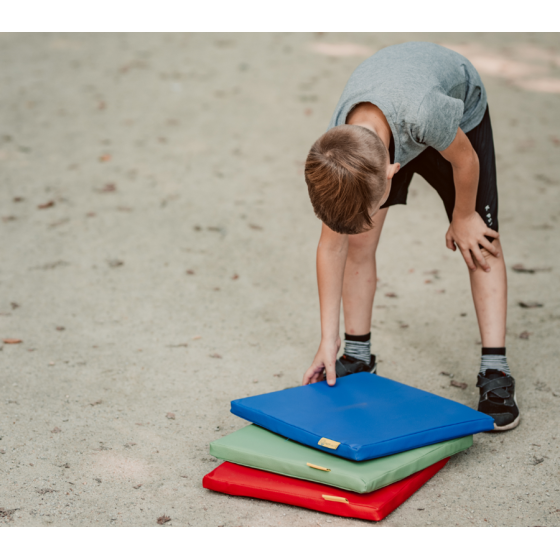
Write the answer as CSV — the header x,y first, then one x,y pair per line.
x,y
477,253
491,233
311,375
490,247
331,373
468,259
449,242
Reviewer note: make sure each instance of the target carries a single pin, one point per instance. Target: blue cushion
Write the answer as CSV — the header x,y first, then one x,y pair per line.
x,y
362,417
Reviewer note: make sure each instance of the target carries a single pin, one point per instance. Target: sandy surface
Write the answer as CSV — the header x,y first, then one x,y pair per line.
x,y
165,154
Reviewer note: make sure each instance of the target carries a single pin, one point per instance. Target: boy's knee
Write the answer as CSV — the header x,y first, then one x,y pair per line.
x,y
361,245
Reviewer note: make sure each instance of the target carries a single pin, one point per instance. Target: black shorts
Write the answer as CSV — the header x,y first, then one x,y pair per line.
x,y
437,171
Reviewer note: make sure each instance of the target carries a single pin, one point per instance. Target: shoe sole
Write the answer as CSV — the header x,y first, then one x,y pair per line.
x,y
513,424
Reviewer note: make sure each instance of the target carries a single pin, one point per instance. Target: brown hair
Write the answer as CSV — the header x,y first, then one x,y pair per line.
x,y
345,175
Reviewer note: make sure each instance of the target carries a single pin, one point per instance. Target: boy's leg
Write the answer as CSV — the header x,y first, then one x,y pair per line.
x,y
360,277
489,291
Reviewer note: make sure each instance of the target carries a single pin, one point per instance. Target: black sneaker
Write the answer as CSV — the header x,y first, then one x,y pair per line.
x,y
346,365
497,399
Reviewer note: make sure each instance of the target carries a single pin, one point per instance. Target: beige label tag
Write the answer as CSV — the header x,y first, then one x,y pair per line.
x,y
335,499
329,443
318,467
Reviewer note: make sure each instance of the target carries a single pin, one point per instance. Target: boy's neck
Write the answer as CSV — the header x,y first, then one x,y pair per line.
x,y
370,116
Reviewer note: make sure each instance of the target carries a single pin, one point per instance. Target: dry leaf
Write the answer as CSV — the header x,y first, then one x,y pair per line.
x,y
60,328
196,337
191,272
170,415
12,341
105,157
525,335
113,263
235,277
56,430
163,519
215,355
46,205
45,491
529,304
391,294
137,486
521,268
59,222
109,187
50,266
254,226
445,373
458,384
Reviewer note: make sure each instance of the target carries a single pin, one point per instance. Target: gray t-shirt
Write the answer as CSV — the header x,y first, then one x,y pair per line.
x,y
425,92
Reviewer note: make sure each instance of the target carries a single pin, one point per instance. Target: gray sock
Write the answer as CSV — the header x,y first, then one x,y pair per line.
x,y
358,346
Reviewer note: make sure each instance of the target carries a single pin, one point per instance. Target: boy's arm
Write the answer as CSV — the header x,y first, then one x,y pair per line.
x,y
467,229
331,260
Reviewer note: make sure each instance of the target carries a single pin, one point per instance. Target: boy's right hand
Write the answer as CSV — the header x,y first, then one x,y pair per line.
x,y
324,361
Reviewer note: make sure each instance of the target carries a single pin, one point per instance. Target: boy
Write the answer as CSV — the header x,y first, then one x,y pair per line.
x,y
410,108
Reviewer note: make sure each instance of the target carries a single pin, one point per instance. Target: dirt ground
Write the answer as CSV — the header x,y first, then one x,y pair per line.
x,y
158,261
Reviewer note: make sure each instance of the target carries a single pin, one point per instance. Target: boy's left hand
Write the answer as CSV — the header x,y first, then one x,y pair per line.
x,y
468,233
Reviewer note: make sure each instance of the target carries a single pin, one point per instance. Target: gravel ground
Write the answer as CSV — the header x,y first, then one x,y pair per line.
x,y
158,251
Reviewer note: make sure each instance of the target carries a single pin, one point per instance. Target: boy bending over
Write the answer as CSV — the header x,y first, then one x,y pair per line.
x,y
410,108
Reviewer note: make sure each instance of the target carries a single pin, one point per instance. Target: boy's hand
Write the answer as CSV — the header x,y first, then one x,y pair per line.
x,y
325,360
468,233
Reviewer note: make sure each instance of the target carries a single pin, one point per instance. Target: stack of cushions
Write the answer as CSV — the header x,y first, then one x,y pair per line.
x,y
358,449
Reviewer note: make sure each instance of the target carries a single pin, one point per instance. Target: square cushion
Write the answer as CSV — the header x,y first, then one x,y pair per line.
x,y
363,416
260,449
244,481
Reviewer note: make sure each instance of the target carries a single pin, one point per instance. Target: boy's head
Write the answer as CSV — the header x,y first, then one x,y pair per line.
x,y
348,175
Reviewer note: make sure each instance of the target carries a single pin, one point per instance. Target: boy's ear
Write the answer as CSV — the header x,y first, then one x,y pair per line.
x,y
393,168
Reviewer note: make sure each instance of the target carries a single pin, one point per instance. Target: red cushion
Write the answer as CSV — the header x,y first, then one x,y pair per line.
x,y
244,481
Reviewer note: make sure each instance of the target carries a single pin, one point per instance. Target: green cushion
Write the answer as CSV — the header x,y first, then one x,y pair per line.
x,y
258,448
